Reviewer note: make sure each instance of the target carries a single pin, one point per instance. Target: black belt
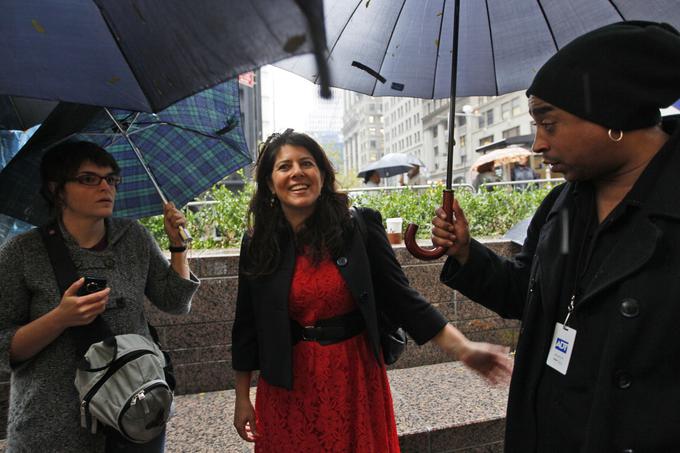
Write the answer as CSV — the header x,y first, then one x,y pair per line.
x,y
330,330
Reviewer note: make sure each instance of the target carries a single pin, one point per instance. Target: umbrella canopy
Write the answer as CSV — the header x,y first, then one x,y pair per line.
x,y
144,55
188,147
17,113
404,47
413,47
502,156
391,164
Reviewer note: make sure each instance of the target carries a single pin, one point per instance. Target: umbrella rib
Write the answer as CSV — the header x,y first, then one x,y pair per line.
x,y
439,40
616,8
388,42
493,49
547,24
342,30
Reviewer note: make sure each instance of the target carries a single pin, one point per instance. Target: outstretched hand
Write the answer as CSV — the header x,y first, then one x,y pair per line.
x,y
491,361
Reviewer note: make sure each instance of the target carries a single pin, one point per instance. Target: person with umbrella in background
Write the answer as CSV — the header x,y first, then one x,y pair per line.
x,y
596,282
306,262
372,178
37,339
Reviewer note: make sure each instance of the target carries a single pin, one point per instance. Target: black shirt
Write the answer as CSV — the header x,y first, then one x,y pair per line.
x,y
563,401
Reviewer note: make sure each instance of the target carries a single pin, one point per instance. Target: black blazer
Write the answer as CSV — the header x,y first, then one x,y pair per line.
x,y
261,332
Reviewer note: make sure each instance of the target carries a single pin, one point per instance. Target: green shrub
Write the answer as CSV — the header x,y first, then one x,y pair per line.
x,y
490,214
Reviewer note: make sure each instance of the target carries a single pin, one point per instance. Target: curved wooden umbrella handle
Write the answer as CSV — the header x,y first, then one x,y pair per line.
x,y
410,236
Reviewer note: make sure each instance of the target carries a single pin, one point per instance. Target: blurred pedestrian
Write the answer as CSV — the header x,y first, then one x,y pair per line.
x,y
486,174
522,171
372,178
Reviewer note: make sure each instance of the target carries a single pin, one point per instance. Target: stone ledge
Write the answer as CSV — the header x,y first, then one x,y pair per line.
x,y
441,408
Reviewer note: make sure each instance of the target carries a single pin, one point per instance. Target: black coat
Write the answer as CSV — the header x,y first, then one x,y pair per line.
x,y
635,404
261,333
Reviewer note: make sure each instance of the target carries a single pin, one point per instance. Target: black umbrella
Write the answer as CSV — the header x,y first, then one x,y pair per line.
x,y
145,55
412,47
17,113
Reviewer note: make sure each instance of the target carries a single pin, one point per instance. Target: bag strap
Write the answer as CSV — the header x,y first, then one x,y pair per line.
x,y
361,223
66,273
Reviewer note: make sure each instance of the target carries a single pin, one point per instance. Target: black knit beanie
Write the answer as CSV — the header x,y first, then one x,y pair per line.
x,y
617,76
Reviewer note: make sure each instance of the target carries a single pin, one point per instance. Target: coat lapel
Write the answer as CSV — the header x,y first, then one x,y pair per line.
x,y
274,289
355,269
636,246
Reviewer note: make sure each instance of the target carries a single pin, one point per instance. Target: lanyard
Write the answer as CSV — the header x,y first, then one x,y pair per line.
x,y
579,266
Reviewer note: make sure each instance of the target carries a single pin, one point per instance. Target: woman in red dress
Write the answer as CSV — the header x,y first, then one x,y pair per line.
x,y
311,291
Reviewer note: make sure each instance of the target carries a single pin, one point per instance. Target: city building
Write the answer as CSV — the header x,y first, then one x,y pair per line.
x,y
362,131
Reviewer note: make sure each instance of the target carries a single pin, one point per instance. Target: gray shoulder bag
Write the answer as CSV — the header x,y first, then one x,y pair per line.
x,y
124,381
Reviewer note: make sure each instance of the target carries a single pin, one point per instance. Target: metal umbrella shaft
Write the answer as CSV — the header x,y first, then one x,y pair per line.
x,y
184,234
447,197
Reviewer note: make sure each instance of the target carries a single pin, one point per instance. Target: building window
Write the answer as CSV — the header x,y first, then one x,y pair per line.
x,y
506,110
374,144
486,140
461,120
371,119
461,141
434,132
463,157
514,132
515,107
436,151
489,117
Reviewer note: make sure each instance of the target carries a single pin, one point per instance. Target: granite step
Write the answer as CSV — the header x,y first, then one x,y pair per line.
x,y
442,408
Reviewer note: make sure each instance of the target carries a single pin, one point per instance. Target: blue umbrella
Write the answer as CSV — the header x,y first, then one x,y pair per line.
x,y
144,55
177,153
17,113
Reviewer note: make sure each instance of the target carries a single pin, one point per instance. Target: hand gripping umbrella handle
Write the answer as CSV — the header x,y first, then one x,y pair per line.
x,y
184,234
410,237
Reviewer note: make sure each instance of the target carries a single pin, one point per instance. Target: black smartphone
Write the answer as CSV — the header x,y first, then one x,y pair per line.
x,y
92,285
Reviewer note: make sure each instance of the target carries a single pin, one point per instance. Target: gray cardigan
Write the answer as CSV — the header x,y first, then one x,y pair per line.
x,y
43,411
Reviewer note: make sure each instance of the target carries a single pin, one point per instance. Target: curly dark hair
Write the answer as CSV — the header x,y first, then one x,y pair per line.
x,y
61,163
321,234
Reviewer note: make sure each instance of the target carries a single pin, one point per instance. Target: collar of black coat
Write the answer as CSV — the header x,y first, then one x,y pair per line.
x,y
656,188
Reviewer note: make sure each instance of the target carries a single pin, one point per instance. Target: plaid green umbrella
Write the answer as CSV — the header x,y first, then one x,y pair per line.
x,y
185,148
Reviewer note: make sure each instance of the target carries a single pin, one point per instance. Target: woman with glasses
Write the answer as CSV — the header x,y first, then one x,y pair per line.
x,y
79,182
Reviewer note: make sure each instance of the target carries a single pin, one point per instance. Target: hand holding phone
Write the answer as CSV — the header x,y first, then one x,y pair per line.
x,y
83,301
92,285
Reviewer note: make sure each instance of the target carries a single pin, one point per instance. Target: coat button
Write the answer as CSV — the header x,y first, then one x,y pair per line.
x,y
623,380
342,261
627,450
629,308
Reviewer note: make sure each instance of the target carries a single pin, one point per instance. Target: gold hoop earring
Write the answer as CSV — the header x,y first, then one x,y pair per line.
x,y
617,139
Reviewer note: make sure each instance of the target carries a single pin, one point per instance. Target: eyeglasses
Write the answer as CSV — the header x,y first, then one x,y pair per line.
x,y
91,179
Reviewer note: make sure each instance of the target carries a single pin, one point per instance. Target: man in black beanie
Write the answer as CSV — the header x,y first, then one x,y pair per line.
x,y
597,282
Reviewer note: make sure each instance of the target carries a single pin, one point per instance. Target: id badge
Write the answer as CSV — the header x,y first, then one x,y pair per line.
x,y
561,347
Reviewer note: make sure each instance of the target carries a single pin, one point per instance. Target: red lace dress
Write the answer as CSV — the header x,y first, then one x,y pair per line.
x,y
340,401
